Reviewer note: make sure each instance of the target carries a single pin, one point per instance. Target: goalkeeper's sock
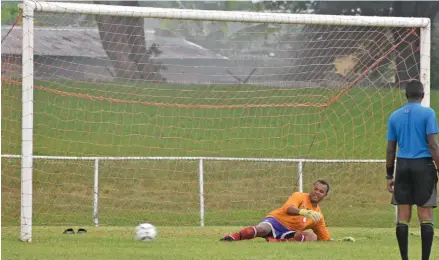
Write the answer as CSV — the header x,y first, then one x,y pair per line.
x,y
402,235
243,234
427,234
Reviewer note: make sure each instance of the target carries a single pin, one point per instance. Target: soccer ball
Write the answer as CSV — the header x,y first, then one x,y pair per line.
x,y
146,232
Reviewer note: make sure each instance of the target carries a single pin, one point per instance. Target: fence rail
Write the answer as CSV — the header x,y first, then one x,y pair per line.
x,y
201,160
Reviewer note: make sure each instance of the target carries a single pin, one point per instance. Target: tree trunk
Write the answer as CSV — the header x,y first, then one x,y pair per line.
x,y
123,39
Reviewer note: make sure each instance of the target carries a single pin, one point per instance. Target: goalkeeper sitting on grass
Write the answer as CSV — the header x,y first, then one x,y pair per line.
x,y
288,223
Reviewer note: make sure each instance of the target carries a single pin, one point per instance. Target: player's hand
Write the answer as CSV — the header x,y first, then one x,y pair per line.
x,y
314,215
390,184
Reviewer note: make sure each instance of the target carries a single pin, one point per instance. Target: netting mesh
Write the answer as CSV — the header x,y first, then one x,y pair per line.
x,y
119,86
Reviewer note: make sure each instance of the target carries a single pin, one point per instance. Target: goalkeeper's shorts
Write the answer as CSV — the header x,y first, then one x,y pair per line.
x,y
277,229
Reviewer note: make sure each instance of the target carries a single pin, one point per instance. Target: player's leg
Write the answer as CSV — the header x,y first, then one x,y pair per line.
x,y
305,236
267,227
263,229
402,229
425,196
298,236
243,234
425,216
403,198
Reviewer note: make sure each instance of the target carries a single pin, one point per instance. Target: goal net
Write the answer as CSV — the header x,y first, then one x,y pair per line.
x,y
116,115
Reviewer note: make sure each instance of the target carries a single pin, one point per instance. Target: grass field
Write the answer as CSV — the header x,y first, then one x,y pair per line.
x,y
77,119
111,120
202,243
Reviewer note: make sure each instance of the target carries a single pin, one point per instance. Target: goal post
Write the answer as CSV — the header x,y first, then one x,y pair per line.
x,y
27,121
425,61
298,128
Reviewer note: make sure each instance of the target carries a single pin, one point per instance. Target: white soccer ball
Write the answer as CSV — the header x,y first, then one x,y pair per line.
x,y
146,232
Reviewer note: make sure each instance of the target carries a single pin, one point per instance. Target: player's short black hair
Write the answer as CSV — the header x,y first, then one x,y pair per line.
x,y
414,89
324,183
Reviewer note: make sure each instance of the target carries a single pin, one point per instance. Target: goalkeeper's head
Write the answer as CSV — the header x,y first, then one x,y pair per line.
x,y
319,191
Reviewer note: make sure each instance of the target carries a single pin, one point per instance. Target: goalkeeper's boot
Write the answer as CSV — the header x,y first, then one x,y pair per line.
x,y
227,238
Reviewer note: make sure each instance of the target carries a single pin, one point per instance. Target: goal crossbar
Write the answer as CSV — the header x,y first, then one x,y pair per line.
x,y
227,16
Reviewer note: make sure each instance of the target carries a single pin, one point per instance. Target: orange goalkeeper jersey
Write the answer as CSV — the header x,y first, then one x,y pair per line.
x,y
300,223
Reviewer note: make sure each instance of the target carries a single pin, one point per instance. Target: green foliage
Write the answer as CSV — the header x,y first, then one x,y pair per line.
x,y
202,5
10,12
288,6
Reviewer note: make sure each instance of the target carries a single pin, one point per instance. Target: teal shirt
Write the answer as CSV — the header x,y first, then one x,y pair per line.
x,y
409,127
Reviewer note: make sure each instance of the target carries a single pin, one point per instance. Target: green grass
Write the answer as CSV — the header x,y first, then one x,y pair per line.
x,y
202,243
72,126
157,120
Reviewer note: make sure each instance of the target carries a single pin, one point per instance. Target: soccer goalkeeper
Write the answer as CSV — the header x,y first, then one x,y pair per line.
x,y
300,212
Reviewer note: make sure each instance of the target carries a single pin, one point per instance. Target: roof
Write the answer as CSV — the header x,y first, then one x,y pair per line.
x,y
85,42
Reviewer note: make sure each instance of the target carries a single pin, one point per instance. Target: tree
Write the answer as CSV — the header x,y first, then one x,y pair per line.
x,y
123,39
407,64
317,42
9,12
287,6
413,9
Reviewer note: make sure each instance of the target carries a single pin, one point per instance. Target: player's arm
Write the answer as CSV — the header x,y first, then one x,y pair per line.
x,y
291,207
323,234
390,154
433,146
390,163
293,211
432,130
321,231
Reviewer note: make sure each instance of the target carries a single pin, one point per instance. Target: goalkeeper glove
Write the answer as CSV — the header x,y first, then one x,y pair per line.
x,y
314,215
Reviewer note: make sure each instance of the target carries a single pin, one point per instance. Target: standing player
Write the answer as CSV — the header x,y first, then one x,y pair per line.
x,y
413,128
300,212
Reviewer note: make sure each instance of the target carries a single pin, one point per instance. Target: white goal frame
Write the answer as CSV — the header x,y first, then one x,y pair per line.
x,y
30,7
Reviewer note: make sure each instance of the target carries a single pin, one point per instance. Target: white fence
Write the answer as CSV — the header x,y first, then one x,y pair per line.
x,y
200,170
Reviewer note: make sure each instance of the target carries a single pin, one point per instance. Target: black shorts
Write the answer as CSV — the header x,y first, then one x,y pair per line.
x,y
415,183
